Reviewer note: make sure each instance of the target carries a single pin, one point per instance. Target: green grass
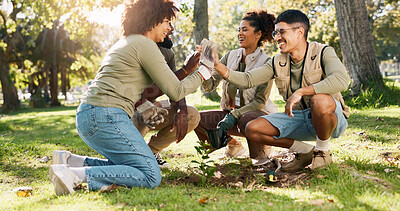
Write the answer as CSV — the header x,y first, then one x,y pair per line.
x,y
365,174
374,96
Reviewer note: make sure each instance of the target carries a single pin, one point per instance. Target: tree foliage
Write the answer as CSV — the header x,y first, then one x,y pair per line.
x,y
39,38
385,22
24,22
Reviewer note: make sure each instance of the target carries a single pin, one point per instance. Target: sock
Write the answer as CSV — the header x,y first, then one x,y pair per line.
x,y
76,160
80,172
301,147
322,145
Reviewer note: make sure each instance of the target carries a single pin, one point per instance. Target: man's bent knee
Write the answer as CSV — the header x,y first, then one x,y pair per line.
x,y
252,128
322,103
260,126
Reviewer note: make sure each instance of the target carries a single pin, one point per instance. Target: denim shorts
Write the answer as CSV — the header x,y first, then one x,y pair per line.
x,y
300,127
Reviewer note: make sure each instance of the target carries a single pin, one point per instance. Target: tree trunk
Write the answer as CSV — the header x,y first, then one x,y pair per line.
x,y
200,18
357,44
54,74
10,95
54,86
63,81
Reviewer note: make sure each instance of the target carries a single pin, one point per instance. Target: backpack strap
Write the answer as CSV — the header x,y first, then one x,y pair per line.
x,y
273,65
322,64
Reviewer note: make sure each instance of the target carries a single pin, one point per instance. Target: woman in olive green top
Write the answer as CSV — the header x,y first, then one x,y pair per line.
x,y
103,117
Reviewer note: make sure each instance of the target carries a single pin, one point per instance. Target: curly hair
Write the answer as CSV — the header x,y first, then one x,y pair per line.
x,y
261,20
141,16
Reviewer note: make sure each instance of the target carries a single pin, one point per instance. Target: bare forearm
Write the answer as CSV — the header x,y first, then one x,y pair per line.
x,y
181,74
221,69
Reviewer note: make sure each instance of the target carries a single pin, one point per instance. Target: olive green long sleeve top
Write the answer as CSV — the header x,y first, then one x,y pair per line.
x,y
131,65
336,80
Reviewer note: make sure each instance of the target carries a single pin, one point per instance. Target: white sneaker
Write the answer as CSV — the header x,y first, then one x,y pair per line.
x,y
260,161
61,156
161,163
263,156
63,179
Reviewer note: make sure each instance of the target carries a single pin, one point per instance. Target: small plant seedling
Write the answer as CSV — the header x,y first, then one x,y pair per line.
x,y
205,165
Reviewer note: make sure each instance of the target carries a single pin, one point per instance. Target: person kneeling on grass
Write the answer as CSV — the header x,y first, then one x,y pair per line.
x,y
103,118
310,77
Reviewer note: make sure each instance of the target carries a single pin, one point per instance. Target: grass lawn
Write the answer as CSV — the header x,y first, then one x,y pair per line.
x,y
365,174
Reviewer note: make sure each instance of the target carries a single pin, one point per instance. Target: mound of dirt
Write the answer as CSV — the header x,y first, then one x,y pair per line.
x,y
241,173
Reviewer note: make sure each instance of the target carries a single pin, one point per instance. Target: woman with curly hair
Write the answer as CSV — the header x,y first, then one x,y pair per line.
x,y
239,106
103,118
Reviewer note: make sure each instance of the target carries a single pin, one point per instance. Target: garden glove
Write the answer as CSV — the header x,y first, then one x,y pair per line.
x,y
150,114
223,127
208,48
227,123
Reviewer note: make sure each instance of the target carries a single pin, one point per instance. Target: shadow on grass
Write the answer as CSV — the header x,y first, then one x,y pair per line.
x,y
26,174
28,138
345,182
38,110
190,197
37,132
385,125
386,171
339,184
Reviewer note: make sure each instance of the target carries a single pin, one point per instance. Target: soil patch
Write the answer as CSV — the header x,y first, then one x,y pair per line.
x,y
241,173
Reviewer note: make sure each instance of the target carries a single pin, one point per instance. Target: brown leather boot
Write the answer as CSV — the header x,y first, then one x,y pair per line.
x,y
300,161
321,159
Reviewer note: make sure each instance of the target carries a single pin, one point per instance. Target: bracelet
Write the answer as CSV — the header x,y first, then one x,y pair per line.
x,y
226,74
184,70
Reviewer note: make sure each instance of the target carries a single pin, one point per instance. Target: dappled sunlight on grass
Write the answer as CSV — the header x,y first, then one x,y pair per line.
x,y
365,152
378,201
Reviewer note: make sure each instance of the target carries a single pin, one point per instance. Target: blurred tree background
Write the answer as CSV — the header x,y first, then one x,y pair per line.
x,y
49,47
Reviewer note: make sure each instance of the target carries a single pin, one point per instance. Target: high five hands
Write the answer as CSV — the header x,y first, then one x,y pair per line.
x,y
207,58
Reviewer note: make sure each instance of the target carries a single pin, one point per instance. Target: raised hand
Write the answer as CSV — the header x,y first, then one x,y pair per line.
x,y
192,62
208,50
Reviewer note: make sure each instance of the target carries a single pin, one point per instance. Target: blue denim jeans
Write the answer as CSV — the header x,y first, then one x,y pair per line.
x,y
111,133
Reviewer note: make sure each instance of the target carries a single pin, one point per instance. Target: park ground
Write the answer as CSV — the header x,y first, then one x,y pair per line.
x,y
365,174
